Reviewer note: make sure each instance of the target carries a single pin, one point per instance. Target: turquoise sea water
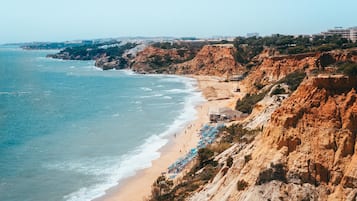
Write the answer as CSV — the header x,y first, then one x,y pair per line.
x,y
69,131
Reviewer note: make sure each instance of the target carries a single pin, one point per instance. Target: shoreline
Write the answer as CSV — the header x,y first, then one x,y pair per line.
x,y
138,187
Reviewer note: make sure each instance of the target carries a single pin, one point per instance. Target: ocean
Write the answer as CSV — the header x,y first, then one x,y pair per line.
x,y
70,131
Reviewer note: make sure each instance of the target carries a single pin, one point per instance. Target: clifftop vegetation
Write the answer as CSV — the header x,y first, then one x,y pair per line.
x,y
348,68
248,48
173,53
93,51
56,45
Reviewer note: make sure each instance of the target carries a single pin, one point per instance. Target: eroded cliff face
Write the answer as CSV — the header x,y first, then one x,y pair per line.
x,y
273,68
157,60
211,60
318,126
307,151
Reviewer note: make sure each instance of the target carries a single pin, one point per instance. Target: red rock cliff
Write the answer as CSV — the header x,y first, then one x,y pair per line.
x,y
212,60
273,68
318,126
157,60
307,151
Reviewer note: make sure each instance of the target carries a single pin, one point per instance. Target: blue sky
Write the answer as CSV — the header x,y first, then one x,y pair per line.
x,y
49,20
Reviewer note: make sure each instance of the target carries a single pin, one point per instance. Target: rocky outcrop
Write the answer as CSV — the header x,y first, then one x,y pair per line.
x,y
317,125
107,63
212,60
158,60
109,55
307,151
273,68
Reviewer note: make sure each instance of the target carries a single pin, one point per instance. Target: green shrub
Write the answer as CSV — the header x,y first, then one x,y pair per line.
x,y
326,47
208,173
229,161
225,170
241,185
247,158
220,147
236,133
293,79
258,85
247,103
297,50
275,172
349,69
204,155
249,66
278,90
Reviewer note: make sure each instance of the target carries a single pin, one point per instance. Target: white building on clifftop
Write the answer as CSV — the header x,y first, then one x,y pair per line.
x,y
348,33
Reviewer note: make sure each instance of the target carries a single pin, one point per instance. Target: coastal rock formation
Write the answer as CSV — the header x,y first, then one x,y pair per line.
x,y
317,125
107,63
270,69
307,151
69,56
157,60
212,60
109,55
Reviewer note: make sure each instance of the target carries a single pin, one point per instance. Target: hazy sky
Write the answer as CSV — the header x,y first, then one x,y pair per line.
x,y
59,20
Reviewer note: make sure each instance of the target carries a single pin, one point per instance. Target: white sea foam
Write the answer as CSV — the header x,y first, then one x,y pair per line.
x,y
173,79
128,72
151,96
116,115
178,91
112,170
138,102
167,97
92,67
14,92
145,88
188,114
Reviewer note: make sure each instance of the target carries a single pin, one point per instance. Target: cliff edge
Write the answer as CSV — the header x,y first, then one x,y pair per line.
x,y
215,60
307,151
270,69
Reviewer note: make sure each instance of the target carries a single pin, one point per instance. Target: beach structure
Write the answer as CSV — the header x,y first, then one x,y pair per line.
x,y
236,77
224,114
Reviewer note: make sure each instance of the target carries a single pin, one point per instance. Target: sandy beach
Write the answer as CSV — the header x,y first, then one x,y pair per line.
x,y
137,188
